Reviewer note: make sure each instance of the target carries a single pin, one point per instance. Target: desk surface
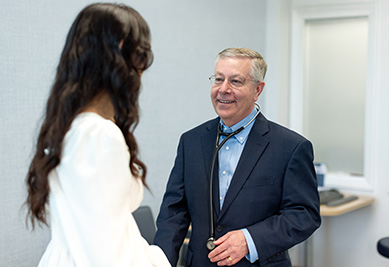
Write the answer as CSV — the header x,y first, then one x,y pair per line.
x,y
361,202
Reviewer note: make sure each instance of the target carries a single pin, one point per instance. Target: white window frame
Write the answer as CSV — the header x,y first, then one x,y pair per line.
x,y
299,17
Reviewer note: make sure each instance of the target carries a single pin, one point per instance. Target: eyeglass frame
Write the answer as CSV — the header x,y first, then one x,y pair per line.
x,y
212,80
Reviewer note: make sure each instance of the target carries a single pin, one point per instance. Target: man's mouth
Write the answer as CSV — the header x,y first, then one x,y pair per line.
x,y
225,101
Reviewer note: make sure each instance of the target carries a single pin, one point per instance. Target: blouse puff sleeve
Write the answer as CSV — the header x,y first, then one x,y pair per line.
x,y
95,194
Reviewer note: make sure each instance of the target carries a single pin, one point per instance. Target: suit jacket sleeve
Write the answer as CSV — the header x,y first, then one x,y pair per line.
x,y
299,214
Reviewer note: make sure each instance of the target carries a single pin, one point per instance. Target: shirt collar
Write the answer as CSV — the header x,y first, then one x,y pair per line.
x,y
242,136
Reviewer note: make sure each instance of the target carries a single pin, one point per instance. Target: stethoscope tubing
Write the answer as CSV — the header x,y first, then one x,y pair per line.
x,y
216,151
218,146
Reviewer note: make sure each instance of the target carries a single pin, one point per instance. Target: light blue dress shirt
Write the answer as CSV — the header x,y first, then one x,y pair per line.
x,y
229,156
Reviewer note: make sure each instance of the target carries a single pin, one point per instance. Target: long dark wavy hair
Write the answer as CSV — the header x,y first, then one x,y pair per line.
x,y
106,50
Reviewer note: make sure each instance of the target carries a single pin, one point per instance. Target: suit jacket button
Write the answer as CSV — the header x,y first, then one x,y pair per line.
x,y
219,228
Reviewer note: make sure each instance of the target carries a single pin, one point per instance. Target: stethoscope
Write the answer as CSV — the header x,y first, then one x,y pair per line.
x,y
211,239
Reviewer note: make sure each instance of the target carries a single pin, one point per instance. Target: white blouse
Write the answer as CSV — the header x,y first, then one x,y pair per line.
x,y
92,197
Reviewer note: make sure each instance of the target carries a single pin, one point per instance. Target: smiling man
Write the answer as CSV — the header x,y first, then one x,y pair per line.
x,y
257,196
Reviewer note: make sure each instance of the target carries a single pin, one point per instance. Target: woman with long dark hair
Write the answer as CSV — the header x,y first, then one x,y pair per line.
x,y
85,178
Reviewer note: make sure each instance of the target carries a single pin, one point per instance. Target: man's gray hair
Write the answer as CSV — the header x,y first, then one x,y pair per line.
x,y
258,64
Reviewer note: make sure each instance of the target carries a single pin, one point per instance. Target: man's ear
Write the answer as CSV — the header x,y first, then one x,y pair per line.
x,y
258,89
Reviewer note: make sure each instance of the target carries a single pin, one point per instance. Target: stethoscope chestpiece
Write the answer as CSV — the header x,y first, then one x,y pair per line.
x,y
210,244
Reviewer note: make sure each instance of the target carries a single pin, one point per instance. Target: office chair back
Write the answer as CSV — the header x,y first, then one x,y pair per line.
x,y
146,224
383,246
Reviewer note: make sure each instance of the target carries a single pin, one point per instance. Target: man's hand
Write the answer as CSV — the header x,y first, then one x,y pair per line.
x,y
230,249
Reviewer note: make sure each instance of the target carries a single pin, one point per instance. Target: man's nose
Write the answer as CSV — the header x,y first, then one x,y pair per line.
x,y
225,87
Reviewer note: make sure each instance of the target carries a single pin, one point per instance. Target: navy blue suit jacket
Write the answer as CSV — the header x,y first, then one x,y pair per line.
x,y
273,194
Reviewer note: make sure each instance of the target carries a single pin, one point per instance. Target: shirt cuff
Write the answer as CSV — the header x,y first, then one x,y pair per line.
x,y
253,253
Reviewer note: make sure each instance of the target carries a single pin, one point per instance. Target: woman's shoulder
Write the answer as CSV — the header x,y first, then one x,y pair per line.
x,y
93,123
91,128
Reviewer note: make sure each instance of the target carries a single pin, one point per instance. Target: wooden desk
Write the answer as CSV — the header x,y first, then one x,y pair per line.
x,y
361,202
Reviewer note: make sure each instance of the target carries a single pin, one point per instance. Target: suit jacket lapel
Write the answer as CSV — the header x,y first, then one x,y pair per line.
x,y
254,147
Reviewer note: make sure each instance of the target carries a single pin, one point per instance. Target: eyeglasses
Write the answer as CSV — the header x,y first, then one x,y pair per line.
x,y
235,82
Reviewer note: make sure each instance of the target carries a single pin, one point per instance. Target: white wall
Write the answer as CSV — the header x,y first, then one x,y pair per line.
x,y
186,36
349,239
